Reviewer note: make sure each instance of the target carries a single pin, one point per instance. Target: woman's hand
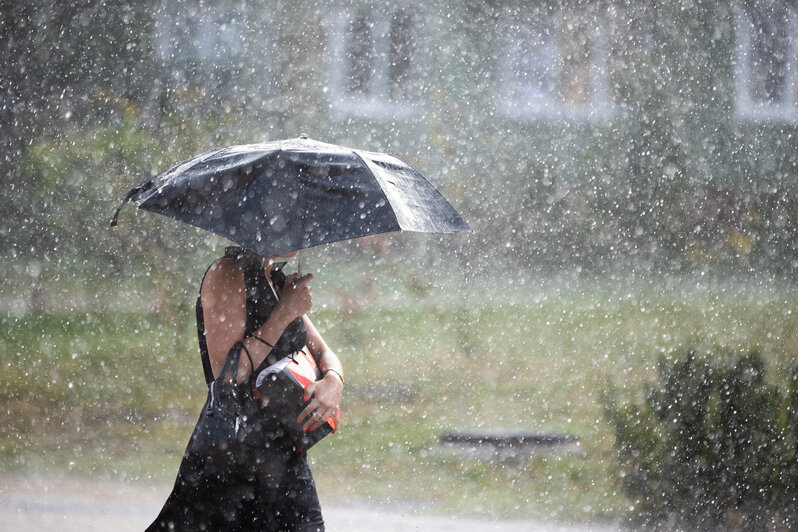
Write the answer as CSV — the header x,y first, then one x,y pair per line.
x,y
325,398
295,299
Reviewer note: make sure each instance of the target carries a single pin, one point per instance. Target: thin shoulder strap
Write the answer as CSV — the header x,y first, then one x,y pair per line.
x,y
237,254
203,344
251,365
231,362
251,270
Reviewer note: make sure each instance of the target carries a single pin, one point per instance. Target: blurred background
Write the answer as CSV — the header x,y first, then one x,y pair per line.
x,y
629,169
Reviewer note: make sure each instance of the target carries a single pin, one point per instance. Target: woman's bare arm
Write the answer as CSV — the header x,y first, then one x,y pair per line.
x,y
295,301
224,309
324,395
225,314
325,357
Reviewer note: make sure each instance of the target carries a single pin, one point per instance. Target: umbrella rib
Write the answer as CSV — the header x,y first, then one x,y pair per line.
x,y
387,199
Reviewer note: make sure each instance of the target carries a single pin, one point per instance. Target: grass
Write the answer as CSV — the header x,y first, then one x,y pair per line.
x,y
106,394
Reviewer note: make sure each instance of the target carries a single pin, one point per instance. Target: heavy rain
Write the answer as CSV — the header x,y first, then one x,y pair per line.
x,y
613,346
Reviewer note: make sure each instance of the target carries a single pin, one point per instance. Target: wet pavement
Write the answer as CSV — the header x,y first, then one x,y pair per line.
x,y
35,503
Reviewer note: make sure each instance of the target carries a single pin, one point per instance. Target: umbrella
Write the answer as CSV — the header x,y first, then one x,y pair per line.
x,y
281,196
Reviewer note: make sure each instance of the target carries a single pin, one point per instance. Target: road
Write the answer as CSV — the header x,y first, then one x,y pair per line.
x,y
67,504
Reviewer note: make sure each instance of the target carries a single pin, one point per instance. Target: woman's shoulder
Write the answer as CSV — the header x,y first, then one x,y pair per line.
x,y
224,274
224,265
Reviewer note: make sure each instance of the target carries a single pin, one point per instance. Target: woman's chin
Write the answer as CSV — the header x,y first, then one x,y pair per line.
x,y
288,255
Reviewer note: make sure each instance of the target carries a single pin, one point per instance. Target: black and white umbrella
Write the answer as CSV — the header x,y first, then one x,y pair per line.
x,y
294,194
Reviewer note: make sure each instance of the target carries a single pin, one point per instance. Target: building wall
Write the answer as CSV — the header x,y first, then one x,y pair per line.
x,y
597,127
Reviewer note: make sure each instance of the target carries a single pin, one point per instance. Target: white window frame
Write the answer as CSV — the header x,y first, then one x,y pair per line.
x,y
376,102
599,108
216,38
746,109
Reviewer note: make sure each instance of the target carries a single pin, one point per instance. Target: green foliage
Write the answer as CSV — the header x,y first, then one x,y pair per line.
x,y
74,182
115,391
712,443
672,181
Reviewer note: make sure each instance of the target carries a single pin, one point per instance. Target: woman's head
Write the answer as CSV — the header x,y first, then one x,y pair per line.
x,y
276,258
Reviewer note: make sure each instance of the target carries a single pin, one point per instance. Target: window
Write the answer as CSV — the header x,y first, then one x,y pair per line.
x,y
766,87
555,66
201,45
372,67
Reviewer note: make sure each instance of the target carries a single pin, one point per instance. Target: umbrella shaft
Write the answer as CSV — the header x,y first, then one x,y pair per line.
x,y
299,264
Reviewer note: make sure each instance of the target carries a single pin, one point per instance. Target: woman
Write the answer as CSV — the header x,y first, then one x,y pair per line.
x,y
264,482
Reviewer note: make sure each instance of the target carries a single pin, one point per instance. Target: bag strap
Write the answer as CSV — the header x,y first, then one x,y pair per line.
x,y
232,361
203,344
251,365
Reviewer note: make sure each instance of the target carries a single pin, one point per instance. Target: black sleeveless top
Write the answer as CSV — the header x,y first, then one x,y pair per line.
x,y
260,302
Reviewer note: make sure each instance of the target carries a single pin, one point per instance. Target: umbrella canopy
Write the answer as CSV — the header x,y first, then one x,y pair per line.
x,y
281,196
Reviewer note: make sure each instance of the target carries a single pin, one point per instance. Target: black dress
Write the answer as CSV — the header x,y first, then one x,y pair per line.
x,y
263,482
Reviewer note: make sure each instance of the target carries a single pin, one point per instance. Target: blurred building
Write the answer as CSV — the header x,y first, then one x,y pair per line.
x,y
569,118
569,132
552,61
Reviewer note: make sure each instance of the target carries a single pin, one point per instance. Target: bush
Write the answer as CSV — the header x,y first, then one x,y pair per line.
x,y
712,444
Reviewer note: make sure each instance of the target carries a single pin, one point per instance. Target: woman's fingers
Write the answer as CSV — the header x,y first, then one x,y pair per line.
x,y
312,404
294,280
302,288
318,409
296,294
317,415
314,421
305,279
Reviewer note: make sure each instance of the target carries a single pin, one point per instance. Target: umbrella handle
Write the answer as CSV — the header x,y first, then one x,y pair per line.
x,y
129,196
299,264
